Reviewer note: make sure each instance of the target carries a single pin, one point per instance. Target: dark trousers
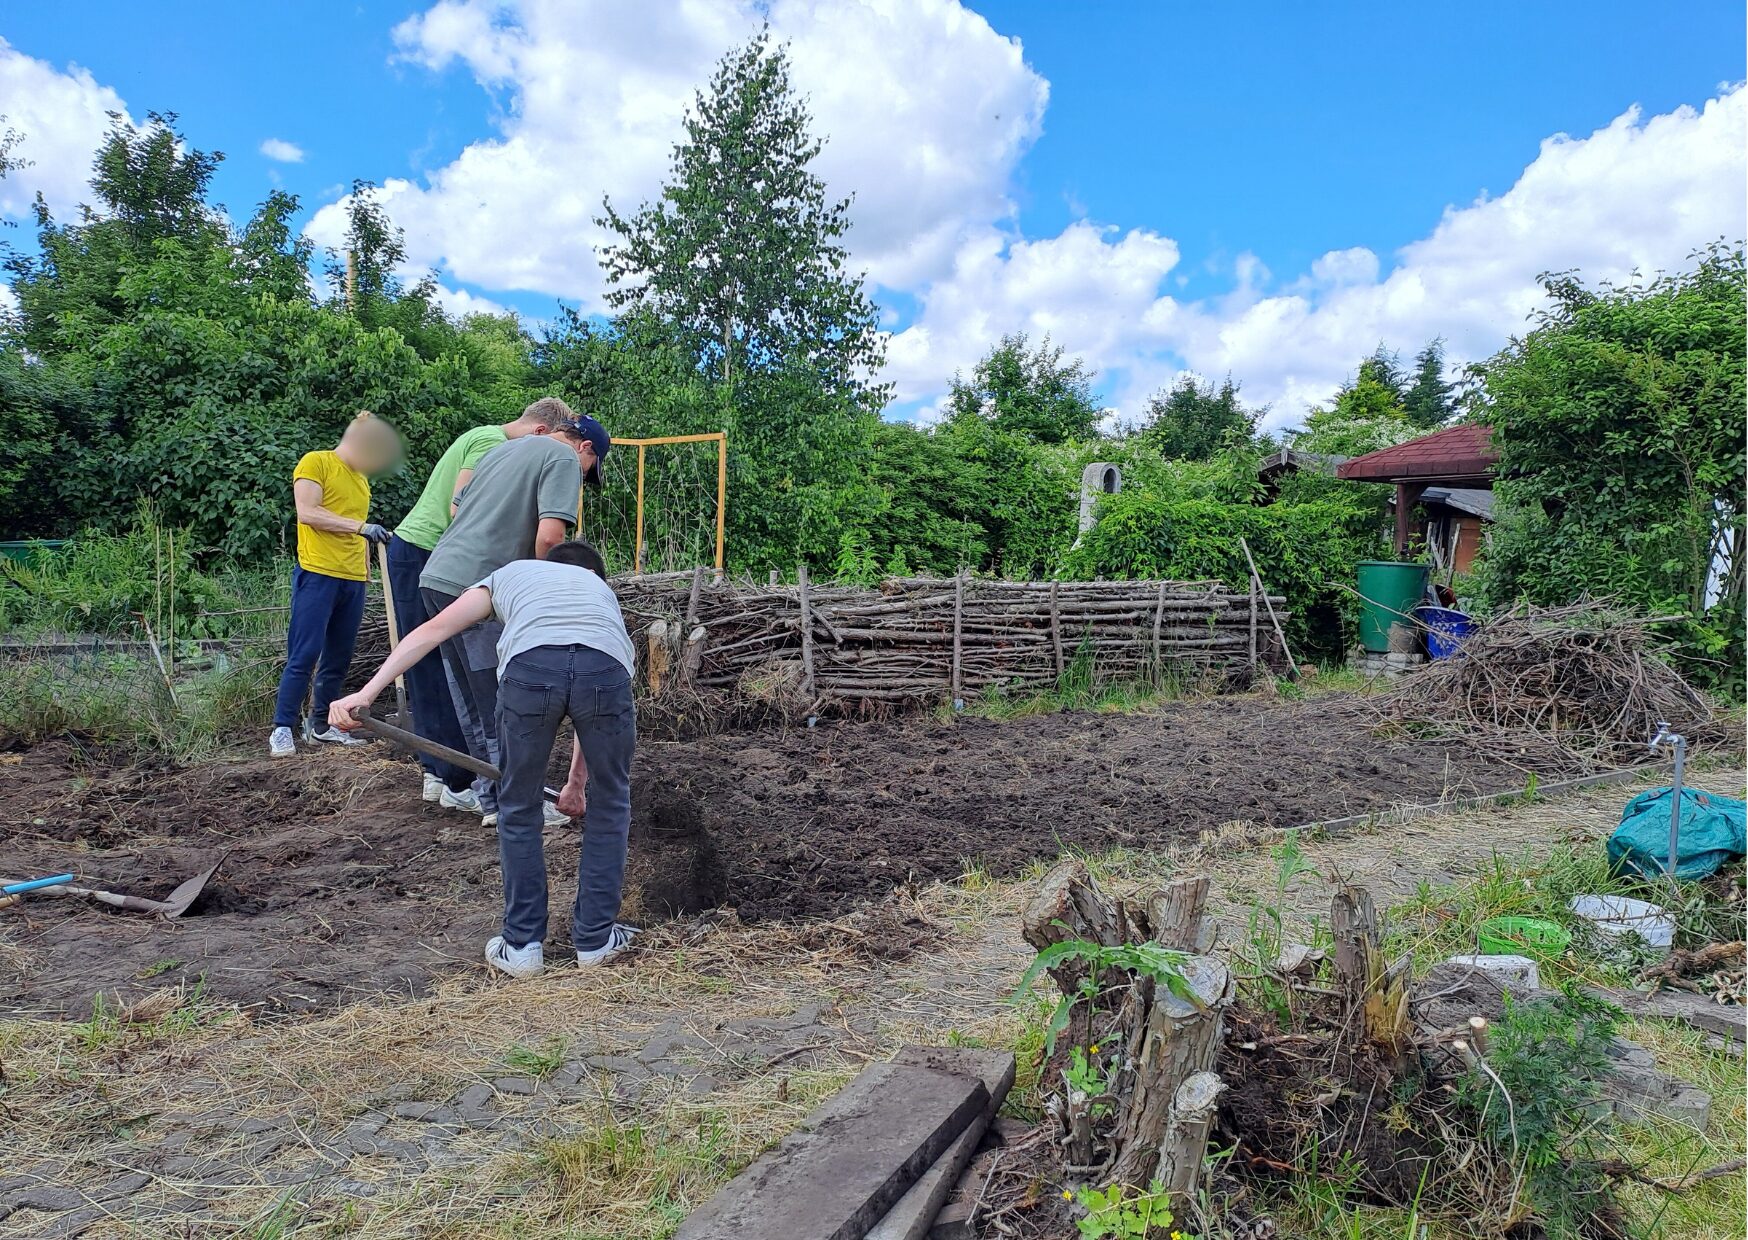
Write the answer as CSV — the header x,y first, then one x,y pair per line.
x,y
539,690
325,612
470,660
427,689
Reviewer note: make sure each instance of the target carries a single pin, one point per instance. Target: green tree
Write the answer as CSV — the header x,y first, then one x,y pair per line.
x,y
1030,392
1194,420
742,252
1429,401
151,186
1618,421
1366,415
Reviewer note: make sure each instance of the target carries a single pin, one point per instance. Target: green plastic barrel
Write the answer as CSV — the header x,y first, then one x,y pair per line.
x,y
25,550
1389,593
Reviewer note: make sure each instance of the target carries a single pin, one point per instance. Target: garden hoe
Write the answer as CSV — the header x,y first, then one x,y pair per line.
x,y
171,908
431,749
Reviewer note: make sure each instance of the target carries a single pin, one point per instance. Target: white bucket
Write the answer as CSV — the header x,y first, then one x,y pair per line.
x,y
1617,916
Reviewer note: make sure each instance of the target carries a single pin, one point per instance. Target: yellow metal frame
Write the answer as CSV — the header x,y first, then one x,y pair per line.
x,y
720,438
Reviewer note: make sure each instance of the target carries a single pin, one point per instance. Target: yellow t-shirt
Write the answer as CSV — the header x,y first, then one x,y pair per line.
x,y
346,493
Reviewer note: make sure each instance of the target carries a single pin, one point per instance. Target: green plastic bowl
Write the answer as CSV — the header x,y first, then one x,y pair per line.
x,y
1523,936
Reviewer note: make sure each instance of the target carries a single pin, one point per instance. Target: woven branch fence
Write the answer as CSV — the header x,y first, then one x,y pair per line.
x,y
920,639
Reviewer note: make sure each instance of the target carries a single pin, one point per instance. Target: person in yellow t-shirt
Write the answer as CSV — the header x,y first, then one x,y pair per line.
x,y
334,537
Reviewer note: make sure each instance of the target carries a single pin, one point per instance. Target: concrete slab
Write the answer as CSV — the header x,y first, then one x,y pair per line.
x,y
915,1212
848,1162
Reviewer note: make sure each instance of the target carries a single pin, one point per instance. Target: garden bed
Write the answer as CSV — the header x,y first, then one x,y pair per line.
x,y
340,882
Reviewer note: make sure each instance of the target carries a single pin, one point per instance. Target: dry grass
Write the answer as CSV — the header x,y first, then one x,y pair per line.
x,y
595,1165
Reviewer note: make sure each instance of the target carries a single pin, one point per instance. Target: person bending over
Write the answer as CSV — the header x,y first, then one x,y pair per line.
x,y
564,654
332,492
521,497
428,692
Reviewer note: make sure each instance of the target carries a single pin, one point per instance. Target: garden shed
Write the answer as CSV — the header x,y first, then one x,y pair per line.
x,y
1448,475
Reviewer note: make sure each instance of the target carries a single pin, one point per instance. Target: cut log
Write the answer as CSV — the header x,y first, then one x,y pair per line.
x,y
659,656
1174,915
1171,1086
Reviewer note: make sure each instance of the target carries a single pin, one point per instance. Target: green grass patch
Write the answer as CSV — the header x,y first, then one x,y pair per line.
x,y
537,1061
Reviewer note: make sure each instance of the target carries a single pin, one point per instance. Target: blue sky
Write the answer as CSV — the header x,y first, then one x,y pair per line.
x,y
1253,188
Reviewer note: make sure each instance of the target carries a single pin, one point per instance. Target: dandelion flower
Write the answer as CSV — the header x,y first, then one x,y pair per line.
x,y
1068,1196
1092,1050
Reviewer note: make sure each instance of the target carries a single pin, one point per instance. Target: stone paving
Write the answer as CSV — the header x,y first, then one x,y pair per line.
x,y
174,1180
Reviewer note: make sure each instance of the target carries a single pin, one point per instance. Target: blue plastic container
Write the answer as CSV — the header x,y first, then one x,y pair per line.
x,y
1446,628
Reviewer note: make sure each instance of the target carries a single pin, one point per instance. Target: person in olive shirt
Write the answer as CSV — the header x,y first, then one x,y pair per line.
x,y
516,507
429,695
332,493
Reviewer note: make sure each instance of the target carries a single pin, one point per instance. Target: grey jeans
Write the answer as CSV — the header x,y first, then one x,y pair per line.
x,y
538,691
470,665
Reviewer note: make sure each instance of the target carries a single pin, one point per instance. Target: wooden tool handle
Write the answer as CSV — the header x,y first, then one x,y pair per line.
x,y
419,744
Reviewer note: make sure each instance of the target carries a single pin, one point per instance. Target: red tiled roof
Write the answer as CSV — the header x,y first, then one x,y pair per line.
x,y
1458,452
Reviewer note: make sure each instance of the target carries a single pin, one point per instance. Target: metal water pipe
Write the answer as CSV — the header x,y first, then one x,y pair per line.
x,y
1678,743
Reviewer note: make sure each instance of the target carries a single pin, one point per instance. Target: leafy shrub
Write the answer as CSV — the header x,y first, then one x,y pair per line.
x,y
1305,551
1618,421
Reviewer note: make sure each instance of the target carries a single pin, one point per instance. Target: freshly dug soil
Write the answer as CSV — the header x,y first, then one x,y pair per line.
x,y
340,882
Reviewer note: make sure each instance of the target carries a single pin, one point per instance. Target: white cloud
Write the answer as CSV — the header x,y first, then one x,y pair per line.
x,y
282,152
925,111
62,117
461,303
1637,194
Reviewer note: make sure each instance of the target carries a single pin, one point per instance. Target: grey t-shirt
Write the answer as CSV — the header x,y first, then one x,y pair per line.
x,y
546,604
498,516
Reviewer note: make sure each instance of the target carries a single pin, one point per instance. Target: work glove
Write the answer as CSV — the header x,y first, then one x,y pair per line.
x,y
373,533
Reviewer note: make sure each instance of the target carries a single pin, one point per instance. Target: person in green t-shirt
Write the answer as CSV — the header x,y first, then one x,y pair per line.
x,y
428,694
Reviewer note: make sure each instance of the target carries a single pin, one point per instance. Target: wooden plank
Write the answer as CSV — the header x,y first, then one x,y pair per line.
x,y
916,1211
1158,620
844,1167
1694,1010
1256,584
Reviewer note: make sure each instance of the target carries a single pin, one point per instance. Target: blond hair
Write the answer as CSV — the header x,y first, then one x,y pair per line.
x,y
547,412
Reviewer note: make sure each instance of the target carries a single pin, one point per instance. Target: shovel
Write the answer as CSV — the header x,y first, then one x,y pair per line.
x,y
170,909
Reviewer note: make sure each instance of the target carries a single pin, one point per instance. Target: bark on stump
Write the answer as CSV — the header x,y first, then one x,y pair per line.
x,y
1167,1091
1374,990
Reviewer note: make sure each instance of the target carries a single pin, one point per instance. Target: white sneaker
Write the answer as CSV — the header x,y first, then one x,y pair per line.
x,y
467,799
516,961
550,817
619,938
328,734
280,744
434,787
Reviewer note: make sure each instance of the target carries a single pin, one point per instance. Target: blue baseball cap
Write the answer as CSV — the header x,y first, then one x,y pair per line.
x,y
585,427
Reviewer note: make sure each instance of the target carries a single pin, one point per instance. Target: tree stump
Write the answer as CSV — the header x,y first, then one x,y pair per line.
x,y
1164,1089
1374,991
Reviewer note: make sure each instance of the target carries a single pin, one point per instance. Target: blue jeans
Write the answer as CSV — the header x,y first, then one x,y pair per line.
x,y
325,612
427,688
539,690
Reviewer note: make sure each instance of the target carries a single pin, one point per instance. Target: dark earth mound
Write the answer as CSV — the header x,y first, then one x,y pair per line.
x,y
341,883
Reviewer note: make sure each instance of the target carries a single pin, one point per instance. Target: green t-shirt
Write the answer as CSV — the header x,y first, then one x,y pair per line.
x,y
515,488
426,520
